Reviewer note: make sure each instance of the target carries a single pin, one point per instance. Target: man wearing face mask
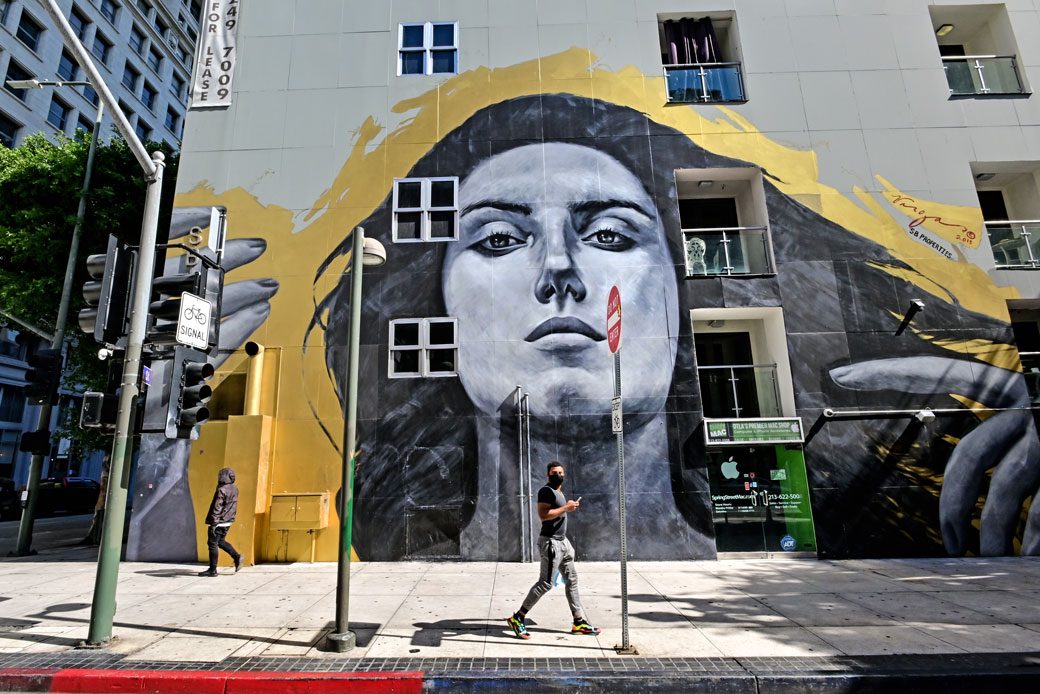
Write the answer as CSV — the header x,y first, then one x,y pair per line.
x,y
557,555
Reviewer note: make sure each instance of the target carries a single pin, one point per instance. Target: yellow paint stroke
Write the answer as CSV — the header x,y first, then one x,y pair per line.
x,y
996,353
981,411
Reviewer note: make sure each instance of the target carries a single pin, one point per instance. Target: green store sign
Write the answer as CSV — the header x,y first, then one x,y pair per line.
x,y
729,432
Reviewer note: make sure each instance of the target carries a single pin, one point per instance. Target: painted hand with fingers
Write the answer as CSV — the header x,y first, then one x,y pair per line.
x,y
163,523
1005,443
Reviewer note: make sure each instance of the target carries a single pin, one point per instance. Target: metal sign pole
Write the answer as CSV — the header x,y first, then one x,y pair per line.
x,y
625,645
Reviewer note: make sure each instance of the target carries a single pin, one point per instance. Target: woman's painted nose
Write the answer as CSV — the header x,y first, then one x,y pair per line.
x,y
560,275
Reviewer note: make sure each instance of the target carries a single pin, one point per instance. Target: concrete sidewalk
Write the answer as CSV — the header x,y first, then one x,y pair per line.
x,y
718,609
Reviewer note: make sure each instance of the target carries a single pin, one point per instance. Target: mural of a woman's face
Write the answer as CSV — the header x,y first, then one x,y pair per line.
x,y
545,231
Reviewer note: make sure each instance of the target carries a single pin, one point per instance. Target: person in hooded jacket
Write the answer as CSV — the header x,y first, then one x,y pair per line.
x,y
219,519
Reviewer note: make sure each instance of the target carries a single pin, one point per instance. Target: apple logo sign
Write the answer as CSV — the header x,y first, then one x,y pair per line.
x,y
729,469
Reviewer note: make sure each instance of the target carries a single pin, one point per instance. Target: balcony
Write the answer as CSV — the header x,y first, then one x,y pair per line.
x,y
1016,244
1031,371
982,75
748,390
727,251
704,83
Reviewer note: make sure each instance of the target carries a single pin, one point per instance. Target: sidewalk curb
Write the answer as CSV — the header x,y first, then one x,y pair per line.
x,y
77,681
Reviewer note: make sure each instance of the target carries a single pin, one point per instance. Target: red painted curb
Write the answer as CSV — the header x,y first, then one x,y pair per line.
x,y
72,681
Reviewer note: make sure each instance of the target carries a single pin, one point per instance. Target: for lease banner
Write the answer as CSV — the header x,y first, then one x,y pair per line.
x,y
218,51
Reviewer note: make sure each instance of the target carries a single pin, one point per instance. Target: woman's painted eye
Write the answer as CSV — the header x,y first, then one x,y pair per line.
x,y
608,239
499,239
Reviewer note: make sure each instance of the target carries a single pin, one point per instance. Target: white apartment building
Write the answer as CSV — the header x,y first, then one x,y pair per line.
x,y
144,49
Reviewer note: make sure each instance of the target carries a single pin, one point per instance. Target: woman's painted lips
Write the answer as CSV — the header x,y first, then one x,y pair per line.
x,y
556,326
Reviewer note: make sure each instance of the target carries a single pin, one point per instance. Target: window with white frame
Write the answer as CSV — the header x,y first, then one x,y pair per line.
x,y
428,48
426,209
424,347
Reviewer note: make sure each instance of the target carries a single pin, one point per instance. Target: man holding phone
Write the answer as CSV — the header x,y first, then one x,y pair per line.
x,y
557,555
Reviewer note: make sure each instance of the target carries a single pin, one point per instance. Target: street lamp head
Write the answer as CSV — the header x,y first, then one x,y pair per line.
x,y
374,254
24,84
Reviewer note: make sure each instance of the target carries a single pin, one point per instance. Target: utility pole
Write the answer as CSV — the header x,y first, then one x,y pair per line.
x,y
43,420
103,606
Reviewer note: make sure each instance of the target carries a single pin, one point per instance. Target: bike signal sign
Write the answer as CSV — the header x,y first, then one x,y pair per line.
x,y
193,321
614,320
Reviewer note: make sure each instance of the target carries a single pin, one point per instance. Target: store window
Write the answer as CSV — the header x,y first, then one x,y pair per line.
x,y
424,347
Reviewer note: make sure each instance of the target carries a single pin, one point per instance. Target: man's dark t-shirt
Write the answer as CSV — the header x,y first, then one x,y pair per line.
x,y
555,528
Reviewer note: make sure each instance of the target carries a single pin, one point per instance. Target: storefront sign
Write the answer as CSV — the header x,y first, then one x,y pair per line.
x,y
218,51
731,432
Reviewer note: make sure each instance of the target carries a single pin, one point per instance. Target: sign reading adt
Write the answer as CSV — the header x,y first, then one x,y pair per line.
x,y
614,320
193,321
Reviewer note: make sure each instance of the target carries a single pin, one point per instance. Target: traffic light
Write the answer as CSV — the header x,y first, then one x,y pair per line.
x,y
99,411
108,294
35,442
189,393
199,280
43,377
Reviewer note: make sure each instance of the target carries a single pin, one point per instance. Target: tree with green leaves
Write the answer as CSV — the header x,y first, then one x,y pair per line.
x,y
40,185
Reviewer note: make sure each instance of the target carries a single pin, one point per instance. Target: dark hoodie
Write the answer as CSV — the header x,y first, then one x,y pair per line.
x,y
225,500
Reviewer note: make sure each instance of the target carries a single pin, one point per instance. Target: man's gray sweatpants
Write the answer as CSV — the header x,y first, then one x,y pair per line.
x,y
557,555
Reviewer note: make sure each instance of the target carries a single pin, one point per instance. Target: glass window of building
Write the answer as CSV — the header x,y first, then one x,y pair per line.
x,y
29,31
160,26
109,10
423,347
148,95
702,58
137,41
91,95
425,209
16,72
154,59
79,23
101,48
428,48
84,125
8,131
12,404
127,111
58,113
177,85
978,49
172,118
196,9
5,6
67,68
130,75
143,131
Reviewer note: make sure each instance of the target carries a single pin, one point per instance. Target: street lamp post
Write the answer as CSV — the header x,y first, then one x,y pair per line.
x,y
25,527
371,252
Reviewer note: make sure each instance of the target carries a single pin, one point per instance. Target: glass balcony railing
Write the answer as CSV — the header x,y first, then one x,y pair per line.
x,y
748,390
727,251
1031,371
704,83
1015,244
982,75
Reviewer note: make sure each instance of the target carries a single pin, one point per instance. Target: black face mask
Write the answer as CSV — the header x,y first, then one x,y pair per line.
x,y
555,480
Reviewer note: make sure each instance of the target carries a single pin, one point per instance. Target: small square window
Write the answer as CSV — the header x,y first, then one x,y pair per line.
x,y
79,23
8,131
29,31
58,114
109,10
425,209
16,72
430,48
67,68
137,41
130,76
101,48
423,347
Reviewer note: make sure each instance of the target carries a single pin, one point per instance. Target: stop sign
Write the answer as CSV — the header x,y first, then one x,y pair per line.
x,y
614,320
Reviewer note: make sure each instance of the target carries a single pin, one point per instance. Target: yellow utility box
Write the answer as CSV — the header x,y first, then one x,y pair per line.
x,y
300,511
